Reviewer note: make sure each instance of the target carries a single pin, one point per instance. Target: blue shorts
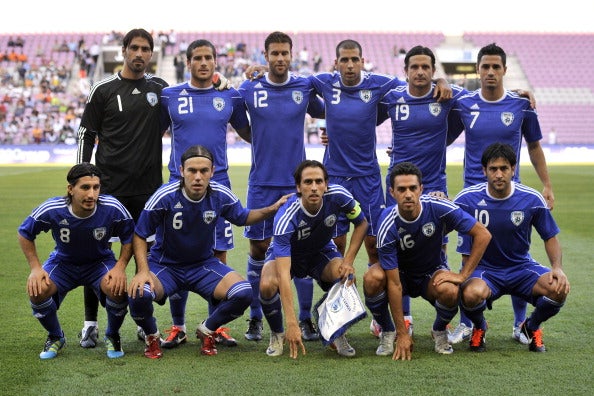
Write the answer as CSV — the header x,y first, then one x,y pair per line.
x,y
368,191
260,197
311,265
68,276
201,278
518,280
415,285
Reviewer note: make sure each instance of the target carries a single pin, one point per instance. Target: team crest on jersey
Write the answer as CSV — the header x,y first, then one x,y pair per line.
x,y
152,98
428,229
99,233
434,109
297,97
218,104
330,220
507,118
209,216
517,217
365,95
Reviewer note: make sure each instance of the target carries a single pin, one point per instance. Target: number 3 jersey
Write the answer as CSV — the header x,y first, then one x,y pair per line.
x,y
415,247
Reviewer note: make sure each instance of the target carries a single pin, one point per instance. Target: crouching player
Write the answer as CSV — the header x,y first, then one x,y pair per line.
x,y
302,246
413,263
183,215
82,223
509,210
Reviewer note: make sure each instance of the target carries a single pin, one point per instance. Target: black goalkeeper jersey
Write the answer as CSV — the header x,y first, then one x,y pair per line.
x,y
124,117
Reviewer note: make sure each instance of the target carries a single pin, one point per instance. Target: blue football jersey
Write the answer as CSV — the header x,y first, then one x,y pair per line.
x,y
200,116
184,228
509,220
485,122
277,116
419,132
415,247
351,115
80,241
298,233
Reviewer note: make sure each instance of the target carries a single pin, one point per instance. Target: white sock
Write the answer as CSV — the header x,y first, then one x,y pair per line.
x,y
89,323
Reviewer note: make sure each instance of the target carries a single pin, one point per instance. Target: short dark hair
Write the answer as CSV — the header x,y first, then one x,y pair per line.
x,y
405,168
139,32
419,50
81,170
196,151
200,43
499,150
308,164
491,49
277,37
348,44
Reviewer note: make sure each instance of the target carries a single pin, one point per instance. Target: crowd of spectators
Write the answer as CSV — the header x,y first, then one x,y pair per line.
x,y
38,104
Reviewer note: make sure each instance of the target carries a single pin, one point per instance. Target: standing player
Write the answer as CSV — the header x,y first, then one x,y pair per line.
x,y
198,114
419,122
303,247
82,224
509,210
412,260
123,114
183,216
277,105
351,98
493,114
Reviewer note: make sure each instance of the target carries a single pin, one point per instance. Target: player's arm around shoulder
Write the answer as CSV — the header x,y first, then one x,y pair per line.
x,y
257,215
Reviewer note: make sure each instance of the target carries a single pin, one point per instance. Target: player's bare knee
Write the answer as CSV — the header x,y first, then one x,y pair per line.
x,y
448,294
374,280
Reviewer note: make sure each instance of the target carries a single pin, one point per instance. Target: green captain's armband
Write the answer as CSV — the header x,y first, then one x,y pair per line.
x,y
354,212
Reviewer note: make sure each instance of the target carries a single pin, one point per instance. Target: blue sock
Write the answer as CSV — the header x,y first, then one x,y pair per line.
x,y
141,310
476,315
47,314
464,319
406,305
378,306
273,312
519,305
254,270
116,313
444,316
545,309
305,289
238,299
177,307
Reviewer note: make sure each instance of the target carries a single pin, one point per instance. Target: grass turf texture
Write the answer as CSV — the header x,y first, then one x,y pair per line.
x,y
506,368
